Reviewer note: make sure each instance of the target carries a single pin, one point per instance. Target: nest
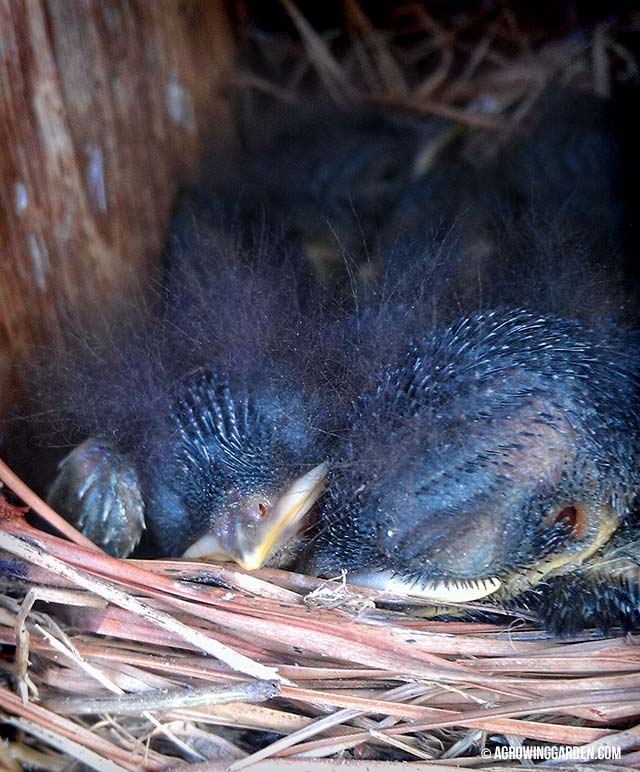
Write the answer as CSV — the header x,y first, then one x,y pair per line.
x,y
154,664
158,664
485,69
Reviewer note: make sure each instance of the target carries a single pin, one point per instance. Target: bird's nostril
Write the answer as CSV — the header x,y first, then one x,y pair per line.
x,y
263,509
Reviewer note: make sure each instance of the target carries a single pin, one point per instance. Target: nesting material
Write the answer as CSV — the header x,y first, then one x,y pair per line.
x,y
485,69
141,664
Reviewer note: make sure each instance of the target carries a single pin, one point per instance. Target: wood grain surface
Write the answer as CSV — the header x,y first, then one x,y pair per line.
x,y
105,110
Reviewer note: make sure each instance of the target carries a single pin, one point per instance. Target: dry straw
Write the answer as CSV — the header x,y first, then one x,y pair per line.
x,y
139,664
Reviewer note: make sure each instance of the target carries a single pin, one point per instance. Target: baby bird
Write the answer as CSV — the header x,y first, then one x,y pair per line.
x,y
495,449
203,426
496,452
549,222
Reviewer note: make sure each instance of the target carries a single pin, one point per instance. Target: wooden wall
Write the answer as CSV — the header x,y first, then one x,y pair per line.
x,y
105,109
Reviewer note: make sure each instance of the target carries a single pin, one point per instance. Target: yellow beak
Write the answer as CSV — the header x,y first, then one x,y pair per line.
x,y
254,531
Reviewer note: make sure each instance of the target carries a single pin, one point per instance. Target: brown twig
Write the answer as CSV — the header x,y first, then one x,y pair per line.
x,y
14,483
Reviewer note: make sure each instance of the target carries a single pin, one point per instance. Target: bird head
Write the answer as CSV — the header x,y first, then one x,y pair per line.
x,y
260,527
482,460
235,473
